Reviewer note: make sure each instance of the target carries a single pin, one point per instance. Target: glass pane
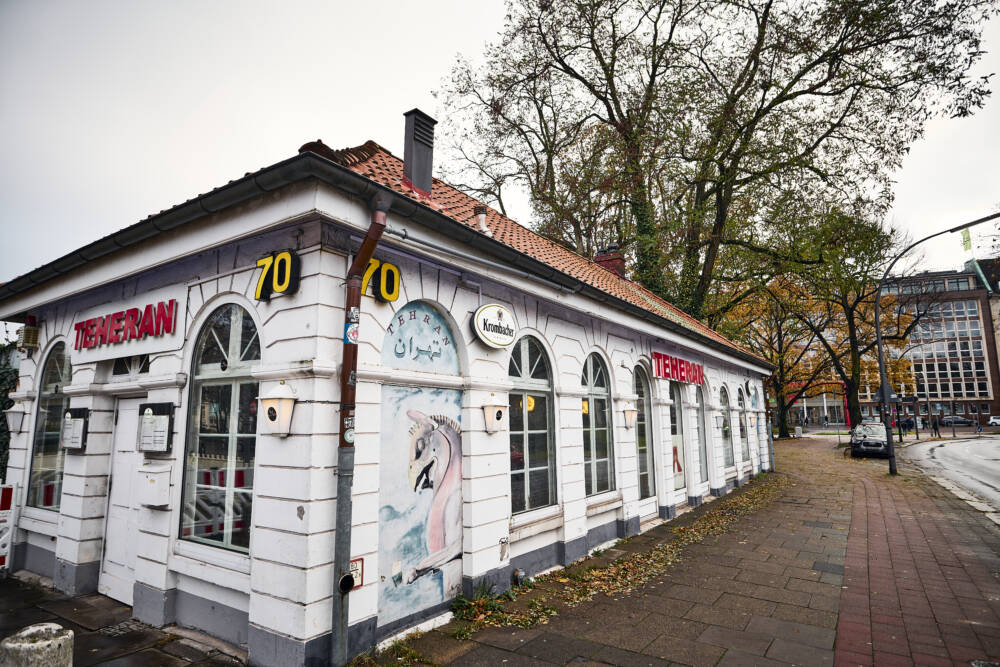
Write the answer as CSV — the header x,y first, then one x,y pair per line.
x,y
588,476
538,412
600,378
249,340
517,412
211,463
247,416
516,451
644,490
120,366
246,449
588,451
601,443
538,487
538,449
242,519
585,409
540,367
214,408
514,367
207,519
213,345
600,412
603,477
517,492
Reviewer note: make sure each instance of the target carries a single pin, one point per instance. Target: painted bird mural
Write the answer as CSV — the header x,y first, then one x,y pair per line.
x,y
436,467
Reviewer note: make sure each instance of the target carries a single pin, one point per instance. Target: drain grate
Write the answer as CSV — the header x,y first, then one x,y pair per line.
x,y
124,628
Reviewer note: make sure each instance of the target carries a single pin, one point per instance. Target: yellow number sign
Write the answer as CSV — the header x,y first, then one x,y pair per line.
x,y
279,275
387,287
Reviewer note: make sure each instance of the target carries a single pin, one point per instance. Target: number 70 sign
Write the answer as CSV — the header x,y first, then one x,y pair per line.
x,y
279,275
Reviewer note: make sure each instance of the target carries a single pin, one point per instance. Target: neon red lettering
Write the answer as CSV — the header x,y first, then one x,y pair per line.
x,y
115,327
165,317
129,329
148,325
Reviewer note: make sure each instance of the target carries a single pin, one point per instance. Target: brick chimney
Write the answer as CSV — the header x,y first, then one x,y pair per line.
x,y
418,150
612,259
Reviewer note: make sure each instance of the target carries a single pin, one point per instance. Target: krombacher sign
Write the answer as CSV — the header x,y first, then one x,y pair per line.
x,y
495,326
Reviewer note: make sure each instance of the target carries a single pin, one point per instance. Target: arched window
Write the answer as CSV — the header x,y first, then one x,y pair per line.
x,y
744,433
532,441
222,427
677,434
643,434
47,457
728,456
702,440
598,448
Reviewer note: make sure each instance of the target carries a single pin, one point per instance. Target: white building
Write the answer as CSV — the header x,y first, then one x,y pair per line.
x,y
174,495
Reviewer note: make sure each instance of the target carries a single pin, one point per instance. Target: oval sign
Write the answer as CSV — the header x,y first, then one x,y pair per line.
x,y
495,326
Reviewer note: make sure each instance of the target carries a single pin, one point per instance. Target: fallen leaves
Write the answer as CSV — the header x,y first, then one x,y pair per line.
x,y
581,583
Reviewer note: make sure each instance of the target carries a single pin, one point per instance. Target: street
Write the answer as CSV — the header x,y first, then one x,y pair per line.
x,y
972,463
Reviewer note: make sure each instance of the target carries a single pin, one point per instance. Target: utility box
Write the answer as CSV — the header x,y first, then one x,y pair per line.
x,y
154,485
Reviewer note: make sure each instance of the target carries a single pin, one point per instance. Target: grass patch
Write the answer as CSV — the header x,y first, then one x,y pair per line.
x,y
397,653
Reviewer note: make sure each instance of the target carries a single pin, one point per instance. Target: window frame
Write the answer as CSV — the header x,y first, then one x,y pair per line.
x,y
527,386
644,424
38,431
728,454
592,394
234,376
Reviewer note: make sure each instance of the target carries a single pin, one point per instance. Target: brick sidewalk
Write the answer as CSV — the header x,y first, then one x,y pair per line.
x,y
791,584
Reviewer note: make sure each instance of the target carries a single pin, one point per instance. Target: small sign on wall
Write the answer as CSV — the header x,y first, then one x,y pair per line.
x,y
358,572
156,426
73,433
279,274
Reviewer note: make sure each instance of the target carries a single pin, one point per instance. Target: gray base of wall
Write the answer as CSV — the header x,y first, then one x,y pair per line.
x,y
158,607
154,606
694,501
668,512
627,527
270,649
76,578
28,557
719,492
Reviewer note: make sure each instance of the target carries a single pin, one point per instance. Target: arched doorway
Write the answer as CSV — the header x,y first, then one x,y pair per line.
x,y
420,469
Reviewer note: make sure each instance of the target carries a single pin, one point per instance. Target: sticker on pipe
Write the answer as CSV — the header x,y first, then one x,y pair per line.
x,y
351,333
494,325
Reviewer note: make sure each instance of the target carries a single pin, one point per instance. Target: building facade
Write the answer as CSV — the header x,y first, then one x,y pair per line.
x,y
517,406
952,351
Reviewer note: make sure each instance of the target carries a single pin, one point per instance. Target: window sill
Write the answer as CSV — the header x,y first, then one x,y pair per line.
x,y
604,502
212,556
35,520
534,522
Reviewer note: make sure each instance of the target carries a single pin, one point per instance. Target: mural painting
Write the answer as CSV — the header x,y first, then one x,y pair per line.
x,y
420,471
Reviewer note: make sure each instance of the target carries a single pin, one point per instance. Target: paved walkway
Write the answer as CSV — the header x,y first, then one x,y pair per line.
x,y
103,633
848,567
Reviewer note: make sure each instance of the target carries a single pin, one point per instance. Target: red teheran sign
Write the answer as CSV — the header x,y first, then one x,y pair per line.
x,y
132,324
672,368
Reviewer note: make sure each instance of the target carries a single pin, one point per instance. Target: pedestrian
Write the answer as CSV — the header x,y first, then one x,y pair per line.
x,y
937,427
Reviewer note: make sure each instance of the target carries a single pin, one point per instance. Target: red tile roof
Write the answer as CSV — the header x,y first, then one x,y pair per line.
x,y
378,164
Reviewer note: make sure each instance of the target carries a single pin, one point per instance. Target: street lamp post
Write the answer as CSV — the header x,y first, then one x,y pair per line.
x,y
885,391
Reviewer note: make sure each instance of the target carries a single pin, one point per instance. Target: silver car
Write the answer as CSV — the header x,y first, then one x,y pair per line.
x,y
869,438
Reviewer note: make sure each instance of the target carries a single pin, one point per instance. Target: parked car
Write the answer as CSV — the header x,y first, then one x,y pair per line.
x,y
957,421
994,421
869,438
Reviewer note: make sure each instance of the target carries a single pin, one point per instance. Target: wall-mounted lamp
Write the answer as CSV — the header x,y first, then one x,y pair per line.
x,y
630,416
276,408
495,414
15,417
719,420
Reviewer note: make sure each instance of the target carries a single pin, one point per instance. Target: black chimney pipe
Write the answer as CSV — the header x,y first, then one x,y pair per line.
x,y
418,150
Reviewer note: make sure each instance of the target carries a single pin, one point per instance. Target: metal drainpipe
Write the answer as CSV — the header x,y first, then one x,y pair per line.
x,y
344,582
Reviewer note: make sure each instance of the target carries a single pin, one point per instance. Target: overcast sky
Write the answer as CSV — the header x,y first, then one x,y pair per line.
x,y
110,111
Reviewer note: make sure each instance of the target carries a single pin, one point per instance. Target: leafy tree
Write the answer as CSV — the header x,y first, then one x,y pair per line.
x,y
769,328
8,382
686,131
841,308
